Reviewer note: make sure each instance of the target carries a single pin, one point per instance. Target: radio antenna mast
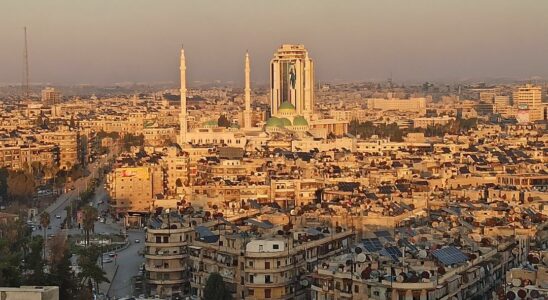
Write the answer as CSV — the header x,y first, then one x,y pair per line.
x,y
26,91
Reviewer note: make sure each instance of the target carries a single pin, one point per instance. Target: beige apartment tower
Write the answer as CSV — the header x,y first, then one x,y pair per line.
x,y
292,80
529,97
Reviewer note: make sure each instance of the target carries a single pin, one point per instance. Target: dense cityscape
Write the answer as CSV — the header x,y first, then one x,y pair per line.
x,y
294,189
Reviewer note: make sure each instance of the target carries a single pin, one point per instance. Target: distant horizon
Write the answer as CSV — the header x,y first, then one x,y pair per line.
x,y
361,41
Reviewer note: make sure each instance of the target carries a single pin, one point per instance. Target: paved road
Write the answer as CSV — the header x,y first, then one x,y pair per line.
x,y
57,209
128,261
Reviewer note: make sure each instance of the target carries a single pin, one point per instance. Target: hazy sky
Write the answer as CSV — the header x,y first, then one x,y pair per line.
x,y
107,41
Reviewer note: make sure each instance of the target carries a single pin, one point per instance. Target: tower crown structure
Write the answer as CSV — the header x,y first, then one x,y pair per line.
x,y
292,80
182,116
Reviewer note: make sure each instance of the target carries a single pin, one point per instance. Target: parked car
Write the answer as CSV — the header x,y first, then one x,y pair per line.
x,y
137,241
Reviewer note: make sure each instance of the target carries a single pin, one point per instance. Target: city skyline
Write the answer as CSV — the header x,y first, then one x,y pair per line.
x,y
410,42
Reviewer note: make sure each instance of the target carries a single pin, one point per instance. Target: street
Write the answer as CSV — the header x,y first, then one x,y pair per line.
x,y
128,260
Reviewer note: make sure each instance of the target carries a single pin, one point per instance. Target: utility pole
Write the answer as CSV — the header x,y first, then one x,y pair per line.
x,y
26,92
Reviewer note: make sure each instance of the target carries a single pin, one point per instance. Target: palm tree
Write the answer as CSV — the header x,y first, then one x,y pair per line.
x,y
44,222
88,221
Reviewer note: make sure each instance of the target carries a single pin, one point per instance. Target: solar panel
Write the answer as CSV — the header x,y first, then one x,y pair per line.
x,y
372,245
393,251
384,234
450,255
408,246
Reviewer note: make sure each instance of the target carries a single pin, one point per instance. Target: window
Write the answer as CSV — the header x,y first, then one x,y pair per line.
x,y
158,239
267,279
356,289
267,265
250,278
275,246
251,263
251,292
267,293
166,239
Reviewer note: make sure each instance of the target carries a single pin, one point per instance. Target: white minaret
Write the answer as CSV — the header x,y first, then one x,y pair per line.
x,y
247,96
182,115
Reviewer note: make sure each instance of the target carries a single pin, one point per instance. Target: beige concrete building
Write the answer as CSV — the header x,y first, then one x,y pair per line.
x,y
529,98
412,104
132,189
30,293
166,254
50,96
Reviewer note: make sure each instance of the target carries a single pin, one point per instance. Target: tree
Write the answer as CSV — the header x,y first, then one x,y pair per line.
x,y
215,288
60,272
91,272
3,183
223,121
44,222
21,185
131,140
88,221
35,263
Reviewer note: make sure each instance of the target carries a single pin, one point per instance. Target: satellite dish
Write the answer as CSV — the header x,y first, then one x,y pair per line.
x,y
361,257
423,253
516,282
358,250
399,278
293,212
304,282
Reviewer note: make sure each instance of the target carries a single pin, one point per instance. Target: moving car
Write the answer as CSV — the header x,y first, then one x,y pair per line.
x,y
137,241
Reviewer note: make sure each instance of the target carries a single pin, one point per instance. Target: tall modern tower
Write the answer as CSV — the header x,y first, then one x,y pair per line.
x,y
292,80
182,115
247,96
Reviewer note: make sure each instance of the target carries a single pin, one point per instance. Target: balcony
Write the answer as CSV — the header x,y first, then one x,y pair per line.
x,y
163,269
164,256
165,281
170,244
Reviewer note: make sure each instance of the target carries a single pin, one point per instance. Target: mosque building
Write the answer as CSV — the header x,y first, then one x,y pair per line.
x,y
291,104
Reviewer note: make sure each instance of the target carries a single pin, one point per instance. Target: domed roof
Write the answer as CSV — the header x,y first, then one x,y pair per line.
x,y
285,122
286,105
300,121
274,122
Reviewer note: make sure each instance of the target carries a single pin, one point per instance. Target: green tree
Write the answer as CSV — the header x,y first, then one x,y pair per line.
x,y
215,288
3,183
91,272
35,263
223,121
21,185
90,215
131,140
44,222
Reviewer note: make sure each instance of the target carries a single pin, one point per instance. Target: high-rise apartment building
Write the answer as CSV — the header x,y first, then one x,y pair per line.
x,y
51,96
292,80
529,97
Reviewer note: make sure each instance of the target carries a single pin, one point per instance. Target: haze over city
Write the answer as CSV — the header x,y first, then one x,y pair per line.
x,y
106,42
273,150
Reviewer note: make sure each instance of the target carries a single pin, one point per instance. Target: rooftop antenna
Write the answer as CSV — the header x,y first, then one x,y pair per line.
x,y
26,77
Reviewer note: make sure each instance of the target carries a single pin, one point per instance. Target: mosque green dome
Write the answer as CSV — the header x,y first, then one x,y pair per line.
x,y
300,121
274,122
285,122
286,106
